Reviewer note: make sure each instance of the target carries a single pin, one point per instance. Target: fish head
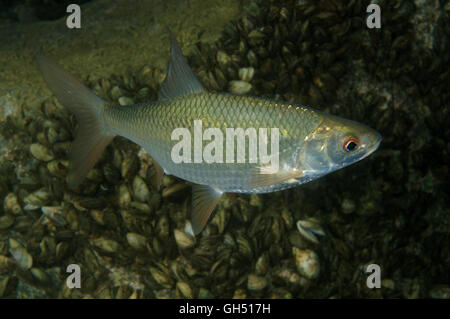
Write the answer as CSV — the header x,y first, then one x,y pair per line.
x,y
334,144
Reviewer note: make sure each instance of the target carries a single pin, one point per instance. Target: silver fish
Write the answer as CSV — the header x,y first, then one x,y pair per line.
x,y
310,143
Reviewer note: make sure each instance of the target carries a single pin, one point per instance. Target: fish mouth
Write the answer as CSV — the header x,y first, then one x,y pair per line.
x,y
374,147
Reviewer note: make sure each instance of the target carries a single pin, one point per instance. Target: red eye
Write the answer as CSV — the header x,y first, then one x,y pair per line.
x,y
350,144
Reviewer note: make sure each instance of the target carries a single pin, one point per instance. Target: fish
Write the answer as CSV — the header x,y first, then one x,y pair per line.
x,y
309,143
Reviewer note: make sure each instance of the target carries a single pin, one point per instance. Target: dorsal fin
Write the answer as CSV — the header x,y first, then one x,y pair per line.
x,y
180,79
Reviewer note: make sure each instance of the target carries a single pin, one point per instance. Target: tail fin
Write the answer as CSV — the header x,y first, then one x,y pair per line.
x,y
90,139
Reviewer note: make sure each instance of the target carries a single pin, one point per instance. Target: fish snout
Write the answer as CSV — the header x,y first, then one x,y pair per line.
x,y
371,141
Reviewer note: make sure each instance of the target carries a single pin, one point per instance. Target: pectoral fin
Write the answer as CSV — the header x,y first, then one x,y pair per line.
x,y
262,177
204,199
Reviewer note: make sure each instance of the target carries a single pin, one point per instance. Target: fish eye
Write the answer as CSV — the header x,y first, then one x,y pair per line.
x,y
351,144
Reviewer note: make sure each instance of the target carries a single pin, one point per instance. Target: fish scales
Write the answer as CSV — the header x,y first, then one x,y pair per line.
x,y
308,143
151,124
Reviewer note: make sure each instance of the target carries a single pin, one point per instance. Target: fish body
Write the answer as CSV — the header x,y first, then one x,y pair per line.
x,y
308,143
151,125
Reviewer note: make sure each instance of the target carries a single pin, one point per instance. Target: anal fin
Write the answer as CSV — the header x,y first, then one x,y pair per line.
x,y
204,199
